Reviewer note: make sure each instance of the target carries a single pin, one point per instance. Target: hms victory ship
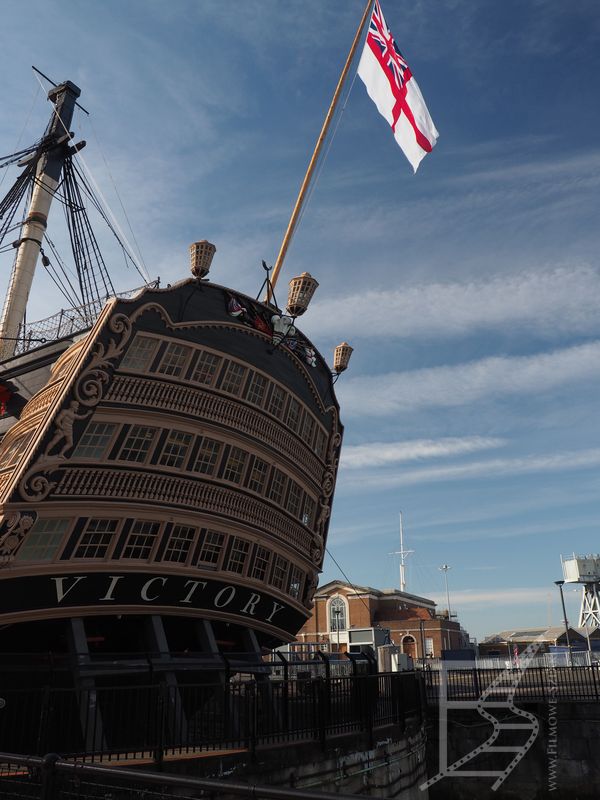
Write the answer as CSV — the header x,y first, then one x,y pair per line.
x,y
168,458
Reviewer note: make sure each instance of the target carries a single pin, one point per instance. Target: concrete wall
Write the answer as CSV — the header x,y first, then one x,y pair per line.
x,y
563,762
391,767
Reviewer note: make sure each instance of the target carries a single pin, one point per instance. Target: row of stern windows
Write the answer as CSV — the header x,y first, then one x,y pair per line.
x,y
184,451
184,362
142,540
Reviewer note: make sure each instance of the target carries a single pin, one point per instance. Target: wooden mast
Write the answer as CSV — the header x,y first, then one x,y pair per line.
x,y
315,156
47,178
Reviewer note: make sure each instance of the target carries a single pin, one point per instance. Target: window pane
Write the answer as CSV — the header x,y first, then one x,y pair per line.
x,y
308,429
180,544
232,380
94,441
175,449
234,469
337,615
174,359
211,547
320,442
257,389
296,577
43,541
237,556
280,571
294,500
276,401
141,540
260,567
206,368
308,512
258,476
277,488
140,353
294,413
137,444
96,539
207,457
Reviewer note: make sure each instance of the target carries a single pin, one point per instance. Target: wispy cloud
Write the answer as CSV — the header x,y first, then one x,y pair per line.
x,y
384,479
564,300
390,393
505,597
376,454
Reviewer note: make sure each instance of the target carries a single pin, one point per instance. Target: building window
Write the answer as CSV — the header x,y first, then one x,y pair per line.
x,y
280,572
277,488
140,353
260,567
176,449
337,615
174,359
257,389
308,429
232,380
212,545
96,538
95,440
15,450
137,444
234,468
429,647
294,500
308,512
276,401
258,476
141,540
207,457
293,414
238,555
179,544
44,540
206,368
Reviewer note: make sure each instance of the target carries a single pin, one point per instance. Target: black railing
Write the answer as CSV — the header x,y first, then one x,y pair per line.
x,y
51,778
535,683
151,722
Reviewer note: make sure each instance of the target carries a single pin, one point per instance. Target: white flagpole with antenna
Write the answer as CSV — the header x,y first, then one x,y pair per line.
x,y
403,556
315,156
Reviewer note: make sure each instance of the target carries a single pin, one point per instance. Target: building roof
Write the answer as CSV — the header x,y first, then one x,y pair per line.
x,y
396,594
531,635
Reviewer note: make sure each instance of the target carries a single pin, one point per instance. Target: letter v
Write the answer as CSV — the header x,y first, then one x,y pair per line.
x,y
61,593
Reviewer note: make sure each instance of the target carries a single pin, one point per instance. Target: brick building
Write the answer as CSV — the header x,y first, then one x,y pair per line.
x,y
341,609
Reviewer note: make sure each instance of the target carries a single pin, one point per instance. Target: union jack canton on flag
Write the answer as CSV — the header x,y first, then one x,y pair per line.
x,y
393,89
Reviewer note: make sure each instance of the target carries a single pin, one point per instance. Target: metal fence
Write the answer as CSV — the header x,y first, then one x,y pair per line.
x,y
51,778
66,322
154,721
535,683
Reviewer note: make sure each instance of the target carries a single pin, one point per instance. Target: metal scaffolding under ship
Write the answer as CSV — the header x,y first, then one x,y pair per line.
x,y
167,467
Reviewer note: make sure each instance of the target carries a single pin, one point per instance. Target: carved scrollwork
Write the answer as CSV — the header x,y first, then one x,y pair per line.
x,y
12,533
36,484
88,391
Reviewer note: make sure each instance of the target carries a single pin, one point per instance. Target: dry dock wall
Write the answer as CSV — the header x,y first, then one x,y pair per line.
x,y
563,762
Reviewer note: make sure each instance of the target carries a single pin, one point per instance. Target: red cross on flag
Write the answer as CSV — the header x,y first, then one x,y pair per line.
x,y
391,86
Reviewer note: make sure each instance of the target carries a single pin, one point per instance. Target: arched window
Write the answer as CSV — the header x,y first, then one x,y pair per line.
x,y
337,615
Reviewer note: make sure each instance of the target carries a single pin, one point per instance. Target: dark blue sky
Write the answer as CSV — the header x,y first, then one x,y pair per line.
x,y
469,291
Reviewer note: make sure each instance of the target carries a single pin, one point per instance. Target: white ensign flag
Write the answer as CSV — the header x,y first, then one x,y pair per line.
x,y
395,92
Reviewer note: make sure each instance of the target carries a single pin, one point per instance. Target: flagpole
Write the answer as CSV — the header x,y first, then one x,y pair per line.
x,y
315,156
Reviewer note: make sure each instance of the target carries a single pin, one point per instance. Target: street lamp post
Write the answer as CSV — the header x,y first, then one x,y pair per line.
x,y
444,568
560,585
338,613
